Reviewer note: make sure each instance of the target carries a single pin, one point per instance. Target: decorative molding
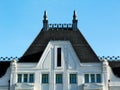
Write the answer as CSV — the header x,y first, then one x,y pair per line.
x,y
112,58
54,26
9,58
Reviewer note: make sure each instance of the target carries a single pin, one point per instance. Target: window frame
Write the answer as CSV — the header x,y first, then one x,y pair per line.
x,y
45,80
19,80
86,78
100,79
27,77
59,79
31,80
73,80
93,79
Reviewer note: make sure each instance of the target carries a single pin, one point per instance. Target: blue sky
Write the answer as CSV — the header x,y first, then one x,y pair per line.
x,y
21,21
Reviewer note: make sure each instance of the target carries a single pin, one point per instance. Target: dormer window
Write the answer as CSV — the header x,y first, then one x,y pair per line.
x,y
58,57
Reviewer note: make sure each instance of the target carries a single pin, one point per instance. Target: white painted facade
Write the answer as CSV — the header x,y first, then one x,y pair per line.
x,y
70,64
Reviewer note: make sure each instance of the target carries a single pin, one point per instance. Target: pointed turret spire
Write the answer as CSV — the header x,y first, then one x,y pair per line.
x,y
74,15
74,24
45,21
45,15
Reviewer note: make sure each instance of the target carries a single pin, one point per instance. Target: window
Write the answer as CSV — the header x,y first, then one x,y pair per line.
x,y
86,76
58,57
73,78
31,78
58,78
92,78
25,78
45,78
19,78
98,78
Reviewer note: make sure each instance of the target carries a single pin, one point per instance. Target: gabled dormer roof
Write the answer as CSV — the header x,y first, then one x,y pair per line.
x,y
69,32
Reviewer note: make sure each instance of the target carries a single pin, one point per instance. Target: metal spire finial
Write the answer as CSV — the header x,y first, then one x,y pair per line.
x,y
45,21
45,15
74,15
74,21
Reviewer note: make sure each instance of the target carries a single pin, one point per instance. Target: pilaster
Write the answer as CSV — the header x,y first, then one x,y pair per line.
x,y
13,77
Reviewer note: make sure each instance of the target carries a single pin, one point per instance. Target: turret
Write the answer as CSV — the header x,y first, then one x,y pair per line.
x,y
74,21
45,21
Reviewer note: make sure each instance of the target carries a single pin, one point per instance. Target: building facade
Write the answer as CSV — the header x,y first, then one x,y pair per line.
x,y
60,58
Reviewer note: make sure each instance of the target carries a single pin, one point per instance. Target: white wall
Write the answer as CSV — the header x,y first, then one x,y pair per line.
x,y
70,64
3,88
48,64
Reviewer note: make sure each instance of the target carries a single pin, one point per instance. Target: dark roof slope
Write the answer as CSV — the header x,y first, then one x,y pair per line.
x,y
3,67
115,66
80,45
5,64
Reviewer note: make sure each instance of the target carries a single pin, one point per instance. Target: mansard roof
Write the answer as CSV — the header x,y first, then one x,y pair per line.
x,y
64,32
69,32
60,32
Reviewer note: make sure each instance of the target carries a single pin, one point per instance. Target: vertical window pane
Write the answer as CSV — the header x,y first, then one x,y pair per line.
x,y
31,78
98,78
19,78
58,57
45,78
86,77
25,78
92,78
73,78
59,78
